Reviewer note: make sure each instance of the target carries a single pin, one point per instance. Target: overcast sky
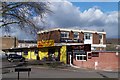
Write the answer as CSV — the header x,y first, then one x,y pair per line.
x,y
82,15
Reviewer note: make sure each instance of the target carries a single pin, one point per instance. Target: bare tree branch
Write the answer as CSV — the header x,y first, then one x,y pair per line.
x,y
22,13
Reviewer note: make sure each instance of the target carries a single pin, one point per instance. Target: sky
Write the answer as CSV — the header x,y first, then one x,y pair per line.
x,y
104,6
82,15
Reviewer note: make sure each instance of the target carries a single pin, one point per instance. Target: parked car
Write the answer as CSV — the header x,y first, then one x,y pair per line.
x,y
15,57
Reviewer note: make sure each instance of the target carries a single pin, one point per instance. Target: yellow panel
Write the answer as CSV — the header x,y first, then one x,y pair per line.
x,y
33,56
29,56
43,53
26,56
63,54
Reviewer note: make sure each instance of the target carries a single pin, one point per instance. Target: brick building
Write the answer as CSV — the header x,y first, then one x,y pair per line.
x,y
71,36
77,52
108,61
79,48
8,42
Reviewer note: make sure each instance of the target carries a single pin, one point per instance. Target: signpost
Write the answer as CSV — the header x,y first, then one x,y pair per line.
x,y
23,70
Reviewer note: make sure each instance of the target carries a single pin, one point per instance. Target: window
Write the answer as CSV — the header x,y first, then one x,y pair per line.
x,y
25,52
100,39
82,56
87,35
36,51
100,36
95,54
76,35
64,34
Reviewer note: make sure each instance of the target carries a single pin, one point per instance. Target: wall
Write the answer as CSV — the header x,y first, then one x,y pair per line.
x,y
71,35
106,61
8,42
52,35
81,36
55,35
96,38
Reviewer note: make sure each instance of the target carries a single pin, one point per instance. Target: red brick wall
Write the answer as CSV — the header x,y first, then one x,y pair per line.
x,y
52,35
55,35
81,36
106,61
71,35
96,38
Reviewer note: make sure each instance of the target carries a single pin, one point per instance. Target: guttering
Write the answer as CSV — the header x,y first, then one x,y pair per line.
x,y
74,30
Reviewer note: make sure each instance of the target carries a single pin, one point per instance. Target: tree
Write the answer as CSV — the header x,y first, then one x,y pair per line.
x,y
22,13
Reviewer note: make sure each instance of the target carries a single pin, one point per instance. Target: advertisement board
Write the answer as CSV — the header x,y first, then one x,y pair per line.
x,y
45,43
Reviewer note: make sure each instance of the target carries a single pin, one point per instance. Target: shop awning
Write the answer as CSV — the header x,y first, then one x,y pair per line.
x,y
28,48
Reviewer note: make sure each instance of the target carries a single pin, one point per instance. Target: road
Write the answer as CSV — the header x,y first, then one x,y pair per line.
x,y
39,72
45,72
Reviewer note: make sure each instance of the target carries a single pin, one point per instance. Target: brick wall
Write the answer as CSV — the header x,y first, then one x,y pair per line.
x,y
71,35
55,35
52,35
96,38
106,61
81,36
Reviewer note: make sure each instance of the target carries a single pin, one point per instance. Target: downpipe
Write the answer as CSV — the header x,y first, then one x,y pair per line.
x,y
72,64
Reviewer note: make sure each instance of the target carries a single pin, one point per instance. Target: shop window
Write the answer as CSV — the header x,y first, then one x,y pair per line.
x,y
25,52
76,35
87,35
64,34
81,56
36,51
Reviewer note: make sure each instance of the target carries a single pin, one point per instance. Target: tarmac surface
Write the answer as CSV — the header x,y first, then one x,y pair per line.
x,y
37,71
